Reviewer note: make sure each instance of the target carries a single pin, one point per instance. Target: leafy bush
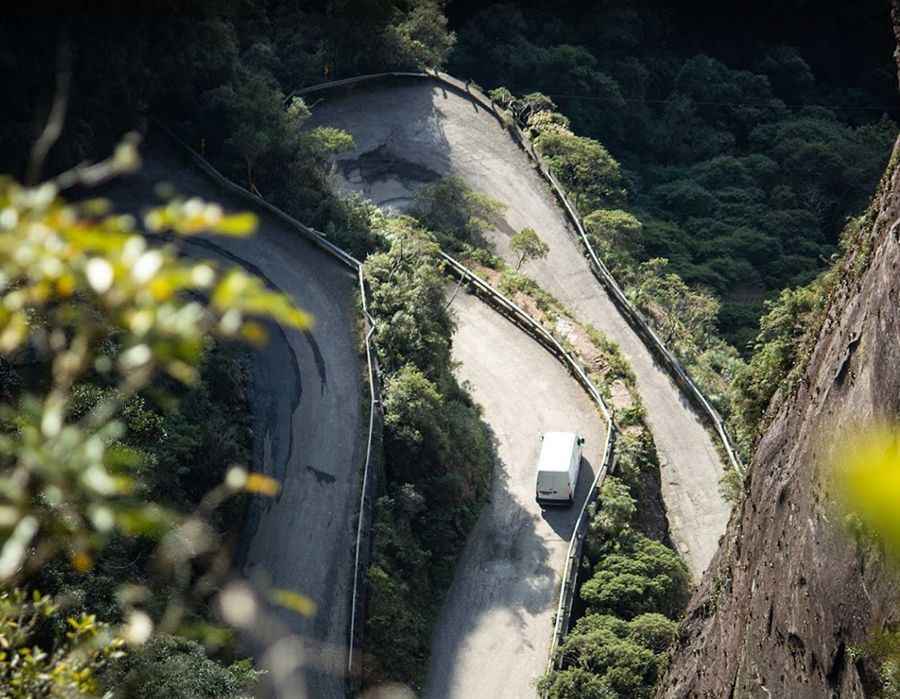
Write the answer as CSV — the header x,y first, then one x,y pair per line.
x,y
584,167
737,184
576,683
777,348
73,666
528,246
95,434
638,585
645,576
454,213
653,630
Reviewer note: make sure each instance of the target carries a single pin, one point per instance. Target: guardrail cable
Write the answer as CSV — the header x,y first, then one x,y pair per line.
x,y
604,276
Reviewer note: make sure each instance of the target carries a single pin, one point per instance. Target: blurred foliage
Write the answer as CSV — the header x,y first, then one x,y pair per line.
x,y
866,477
221,75
107,456
168,667
867,474
70,668
439,454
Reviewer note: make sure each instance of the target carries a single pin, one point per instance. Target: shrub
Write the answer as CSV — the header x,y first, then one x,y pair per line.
x,y
645,576
653,630
454,213
575,683
584,167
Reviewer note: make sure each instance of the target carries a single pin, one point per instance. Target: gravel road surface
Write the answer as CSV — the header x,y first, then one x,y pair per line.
x,y
493,637
307,433
409,132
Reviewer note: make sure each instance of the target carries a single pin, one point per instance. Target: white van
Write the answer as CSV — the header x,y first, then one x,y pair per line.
x,y
558,467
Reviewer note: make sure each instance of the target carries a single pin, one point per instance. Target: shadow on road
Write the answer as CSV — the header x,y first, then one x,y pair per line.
x,y
562,519
503,572
496,622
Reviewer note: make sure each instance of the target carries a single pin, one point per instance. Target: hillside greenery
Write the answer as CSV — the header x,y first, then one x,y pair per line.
x,y
439,455
635,585
715,168
743,161
221,77
740,156
220,74
633,592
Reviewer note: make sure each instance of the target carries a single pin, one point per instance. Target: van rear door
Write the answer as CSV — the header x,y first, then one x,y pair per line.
x,y
551,485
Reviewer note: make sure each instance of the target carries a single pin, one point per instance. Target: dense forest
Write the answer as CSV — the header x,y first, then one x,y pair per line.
x,y
744,151
718,153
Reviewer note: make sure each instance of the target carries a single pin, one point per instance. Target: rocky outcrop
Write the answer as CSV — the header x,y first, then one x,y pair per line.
x,y
789,595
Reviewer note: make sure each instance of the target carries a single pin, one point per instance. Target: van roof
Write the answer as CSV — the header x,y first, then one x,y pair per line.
x,y
556,451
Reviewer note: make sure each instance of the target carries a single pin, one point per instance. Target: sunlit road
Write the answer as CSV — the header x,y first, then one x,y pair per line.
x,y
494,634
411,131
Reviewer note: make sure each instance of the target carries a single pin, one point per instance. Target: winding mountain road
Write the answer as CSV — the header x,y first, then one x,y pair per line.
x,y
493,636
409,131
495,630
307,429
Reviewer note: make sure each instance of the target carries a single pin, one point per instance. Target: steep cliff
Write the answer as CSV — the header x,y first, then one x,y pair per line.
x,y
789,595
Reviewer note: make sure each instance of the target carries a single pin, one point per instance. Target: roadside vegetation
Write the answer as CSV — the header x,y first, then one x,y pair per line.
x,y
685,317
439,454
742,153
220,76
714,189
635,586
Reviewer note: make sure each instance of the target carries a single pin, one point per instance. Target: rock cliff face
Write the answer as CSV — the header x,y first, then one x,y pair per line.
x,y
789,594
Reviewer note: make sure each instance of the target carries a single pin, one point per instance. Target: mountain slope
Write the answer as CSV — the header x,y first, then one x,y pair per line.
x,y
789,594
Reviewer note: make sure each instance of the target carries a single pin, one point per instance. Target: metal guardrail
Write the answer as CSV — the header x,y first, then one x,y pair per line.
x,y
634,317
361,555
573,555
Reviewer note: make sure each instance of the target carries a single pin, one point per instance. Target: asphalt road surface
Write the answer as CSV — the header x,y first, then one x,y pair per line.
x,y
409,132
493,636
307,433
